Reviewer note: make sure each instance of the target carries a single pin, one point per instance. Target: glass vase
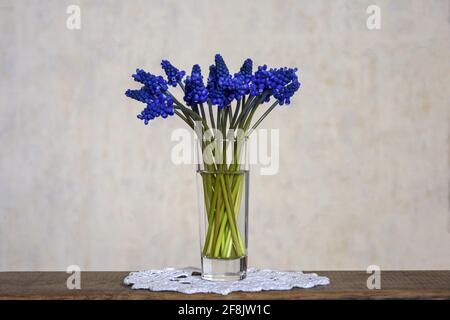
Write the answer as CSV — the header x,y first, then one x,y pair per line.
x,y
223,185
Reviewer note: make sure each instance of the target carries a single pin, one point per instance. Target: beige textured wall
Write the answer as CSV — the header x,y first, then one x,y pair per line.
x,y
364,172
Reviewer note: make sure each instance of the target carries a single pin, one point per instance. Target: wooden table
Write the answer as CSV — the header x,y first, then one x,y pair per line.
x,y
344,285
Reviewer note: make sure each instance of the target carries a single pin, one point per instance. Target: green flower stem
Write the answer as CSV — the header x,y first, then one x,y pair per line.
x,y
223,245
252,107
262,118
219,243
221,217
231,218
202,112
211,115
224,187
238,198
181,86
185,119
244,110
224,141
219,113
244,117
217,219
237,195
251,103
194,115
215,241
226,247
208,187
220,247
213,206
236,113
215,247
216,194
206,194
195,109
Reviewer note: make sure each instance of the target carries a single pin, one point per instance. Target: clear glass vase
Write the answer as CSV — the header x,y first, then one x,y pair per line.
x,y
223,185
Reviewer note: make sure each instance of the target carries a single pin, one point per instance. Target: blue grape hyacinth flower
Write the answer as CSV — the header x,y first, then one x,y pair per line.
x,y
195,90
221,89
174,76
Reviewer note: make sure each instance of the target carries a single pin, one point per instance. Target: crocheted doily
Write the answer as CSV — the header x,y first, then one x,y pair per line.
x,y
188,281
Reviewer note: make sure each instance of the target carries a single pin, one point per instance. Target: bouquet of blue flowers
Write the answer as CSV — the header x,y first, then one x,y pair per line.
x,y
224,107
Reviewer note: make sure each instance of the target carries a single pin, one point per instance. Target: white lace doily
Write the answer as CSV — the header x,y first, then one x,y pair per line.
x,y
188,281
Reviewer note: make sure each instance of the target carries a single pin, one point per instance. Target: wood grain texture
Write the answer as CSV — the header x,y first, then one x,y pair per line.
x,y
344,285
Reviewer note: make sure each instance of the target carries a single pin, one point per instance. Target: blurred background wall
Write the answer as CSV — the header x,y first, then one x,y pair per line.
x,y
364,147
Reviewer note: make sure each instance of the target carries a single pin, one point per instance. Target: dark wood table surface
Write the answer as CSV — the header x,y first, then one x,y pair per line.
x,y
344,285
